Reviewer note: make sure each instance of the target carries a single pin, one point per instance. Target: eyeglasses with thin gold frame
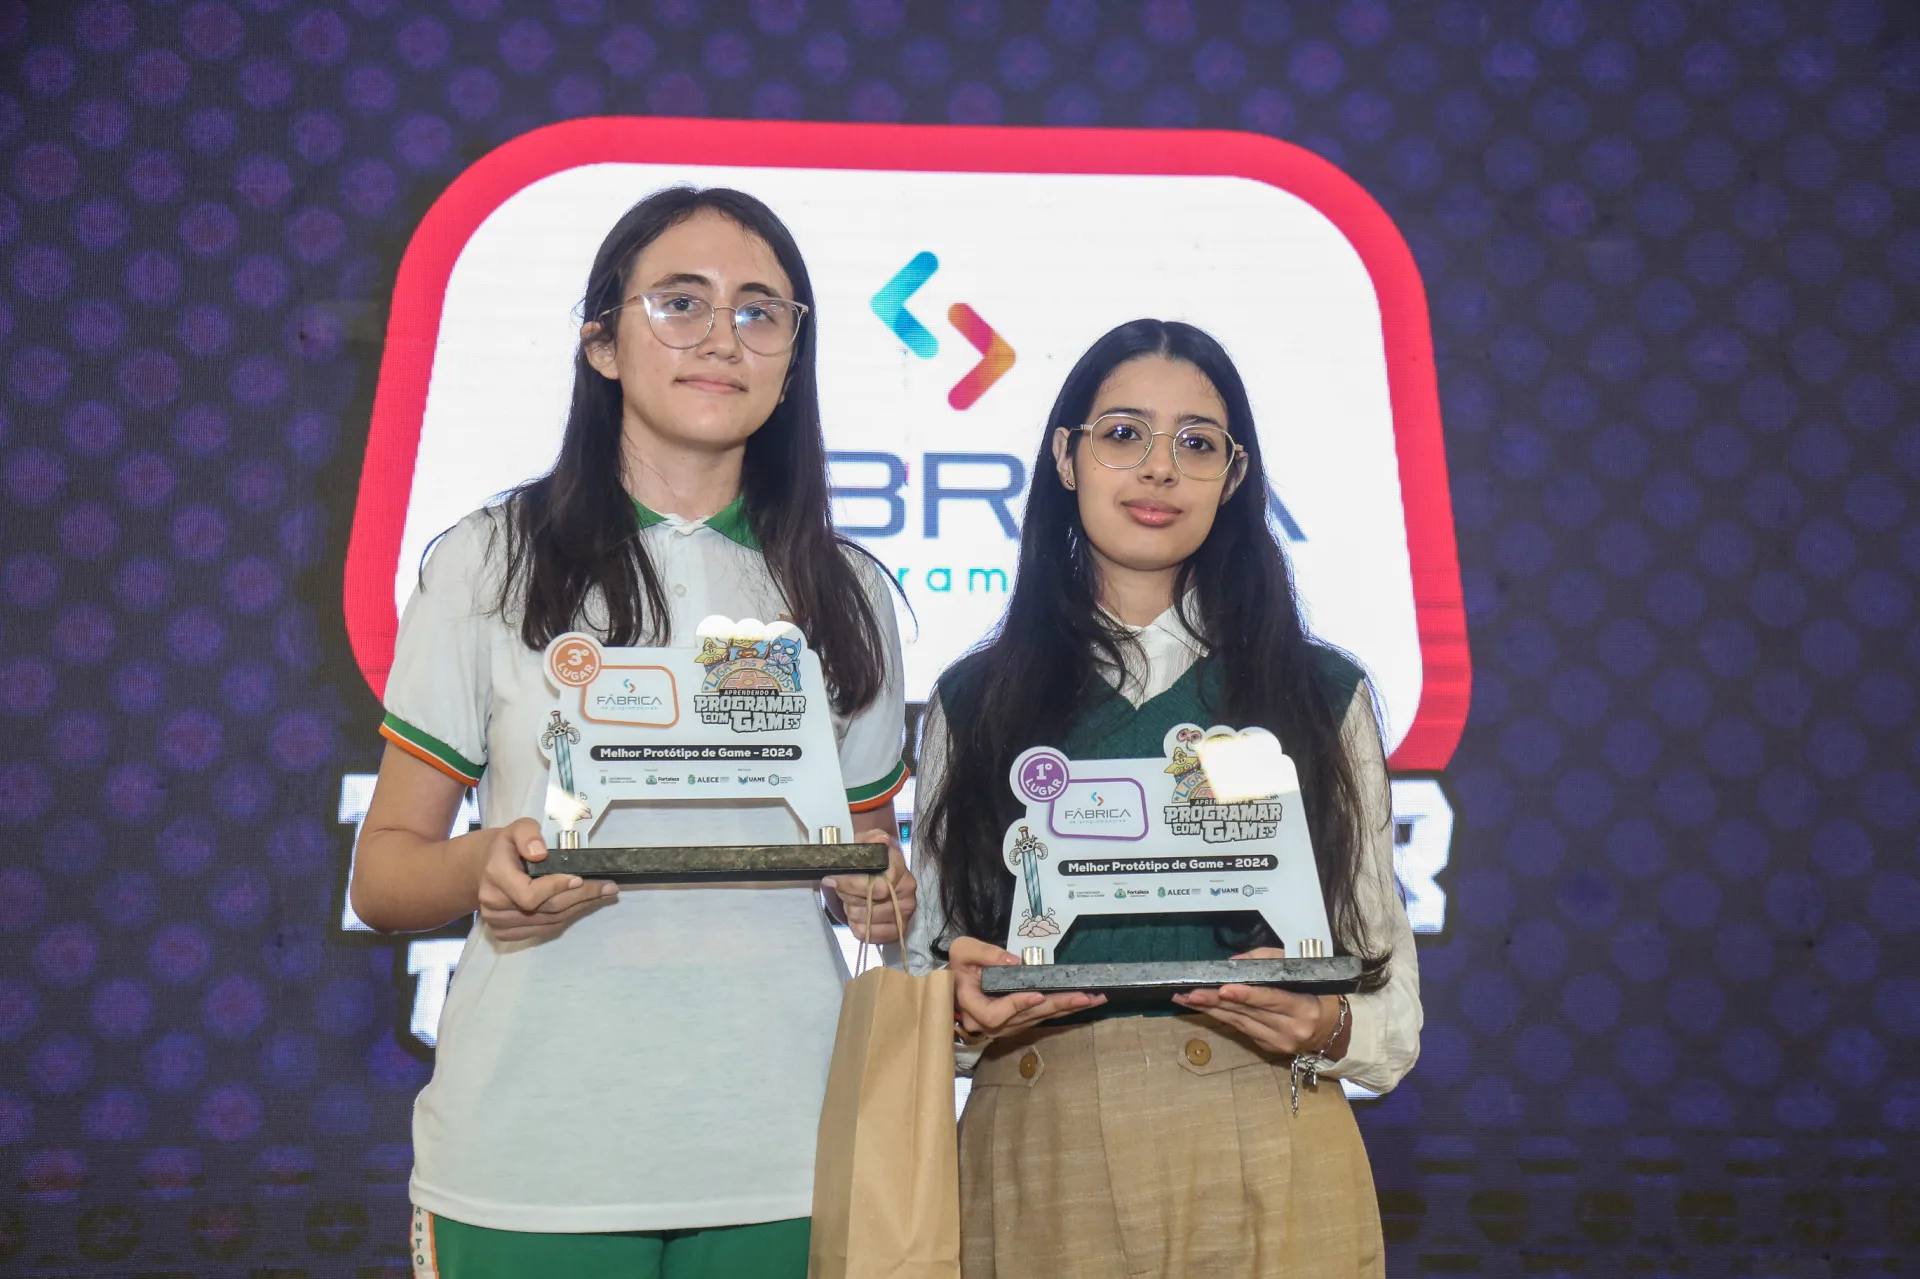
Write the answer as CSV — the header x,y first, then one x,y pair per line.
x,y
765,326
1124,455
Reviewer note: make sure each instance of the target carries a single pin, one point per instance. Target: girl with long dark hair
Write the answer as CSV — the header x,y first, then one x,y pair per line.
x,y
1152,592
630,1082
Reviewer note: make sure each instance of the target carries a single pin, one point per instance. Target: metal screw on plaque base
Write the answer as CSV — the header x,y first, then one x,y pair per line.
x,y
1312,948
1033,955
569,838
829,834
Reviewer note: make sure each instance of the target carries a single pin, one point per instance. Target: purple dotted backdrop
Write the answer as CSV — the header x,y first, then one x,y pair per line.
x,y
1673,1026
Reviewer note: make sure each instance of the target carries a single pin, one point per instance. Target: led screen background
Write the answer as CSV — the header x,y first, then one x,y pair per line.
x,y
1054,261
1672,1019
1283,255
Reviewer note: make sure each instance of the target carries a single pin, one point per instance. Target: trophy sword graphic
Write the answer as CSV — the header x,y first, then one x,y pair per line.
x,y
559,738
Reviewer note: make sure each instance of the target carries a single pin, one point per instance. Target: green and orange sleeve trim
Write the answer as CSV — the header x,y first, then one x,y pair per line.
x,y
425,746
864,799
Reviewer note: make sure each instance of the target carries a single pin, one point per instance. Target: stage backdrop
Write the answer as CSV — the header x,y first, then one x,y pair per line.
x,y
1583,340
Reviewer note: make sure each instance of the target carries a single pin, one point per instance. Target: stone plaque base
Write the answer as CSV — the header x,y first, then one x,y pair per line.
x,y
1147,983
713,865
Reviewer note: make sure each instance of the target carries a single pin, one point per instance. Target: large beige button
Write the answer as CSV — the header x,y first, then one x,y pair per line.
x,y
680,590
1199,1052
1029,1065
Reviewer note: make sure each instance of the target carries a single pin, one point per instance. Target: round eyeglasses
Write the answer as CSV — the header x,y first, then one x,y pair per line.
x,y
765,326
1121,442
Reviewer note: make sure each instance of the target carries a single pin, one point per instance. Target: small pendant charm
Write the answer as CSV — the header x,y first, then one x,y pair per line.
x,y
1307,1064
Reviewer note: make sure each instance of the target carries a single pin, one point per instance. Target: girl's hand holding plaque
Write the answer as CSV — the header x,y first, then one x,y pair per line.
x,y
893,895
517,907
980,1014
1281,1021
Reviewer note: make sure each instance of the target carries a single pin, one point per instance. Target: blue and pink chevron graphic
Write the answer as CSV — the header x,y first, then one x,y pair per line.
x,y
890,304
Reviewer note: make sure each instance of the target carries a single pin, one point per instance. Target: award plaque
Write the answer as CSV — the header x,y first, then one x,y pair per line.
x,y
741,717
1212,824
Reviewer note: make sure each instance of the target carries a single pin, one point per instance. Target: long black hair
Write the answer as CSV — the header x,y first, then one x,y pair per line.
x,y
574,534
1025,685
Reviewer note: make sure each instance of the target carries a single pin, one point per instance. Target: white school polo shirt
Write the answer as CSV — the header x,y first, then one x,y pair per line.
x,y
660,1064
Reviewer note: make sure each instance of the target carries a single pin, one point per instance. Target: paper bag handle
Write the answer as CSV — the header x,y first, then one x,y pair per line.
x,y
860,958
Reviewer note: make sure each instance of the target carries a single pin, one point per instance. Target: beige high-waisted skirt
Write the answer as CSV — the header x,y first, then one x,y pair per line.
x,y
1159,1146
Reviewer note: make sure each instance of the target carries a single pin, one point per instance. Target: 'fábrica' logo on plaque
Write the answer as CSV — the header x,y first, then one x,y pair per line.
x,y
638,695
1114,809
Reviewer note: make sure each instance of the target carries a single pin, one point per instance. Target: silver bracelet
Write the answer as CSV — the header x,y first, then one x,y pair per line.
x,y
1310,1064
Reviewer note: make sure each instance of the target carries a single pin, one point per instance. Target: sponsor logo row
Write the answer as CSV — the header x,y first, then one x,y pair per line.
x,y
708,779
1123,893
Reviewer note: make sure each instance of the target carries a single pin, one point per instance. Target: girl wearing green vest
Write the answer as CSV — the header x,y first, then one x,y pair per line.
x,y
629,1083
1152,592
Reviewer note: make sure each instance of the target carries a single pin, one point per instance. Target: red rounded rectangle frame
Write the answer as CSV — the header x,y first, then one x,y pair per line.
x,y
413,325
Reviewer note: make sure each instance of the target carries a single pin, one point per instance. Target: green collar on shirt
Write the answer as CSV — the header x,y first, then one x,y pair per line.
x,y
730,521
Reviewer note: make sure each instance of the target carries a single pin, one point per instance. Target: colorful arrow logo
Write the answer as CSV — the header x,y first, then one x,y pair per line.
x,y
996,357
890,304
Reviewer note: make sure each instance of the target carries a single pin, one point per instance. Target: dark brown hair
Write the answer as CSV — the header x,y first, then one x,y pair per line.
x,y
574,533
1026,684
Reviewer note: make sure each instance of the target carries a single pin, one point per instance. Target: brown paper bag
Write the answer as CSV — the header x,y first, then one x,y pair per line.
x,y
886,1176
